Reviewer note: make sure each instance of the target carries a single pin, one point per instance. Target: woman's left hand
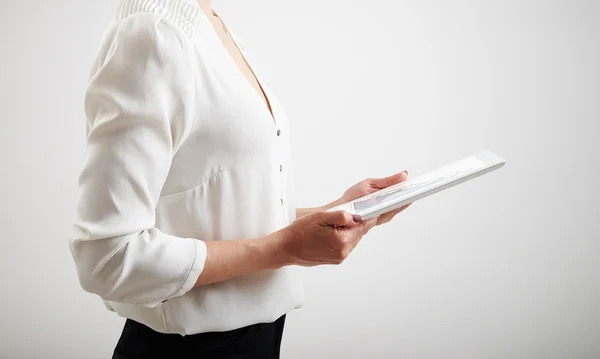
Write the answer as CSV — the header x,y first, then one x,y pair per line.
x,y
371,185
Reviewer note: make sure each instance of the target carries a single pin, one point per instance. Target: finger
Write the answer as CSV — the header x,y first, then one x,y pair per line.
x,y
368,224
358,232
386,218
389,181
398,210
390,215
340,219
395,212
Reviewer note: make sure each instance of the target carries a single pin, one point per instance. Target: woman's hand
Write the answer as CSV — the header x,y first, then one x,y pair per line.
x,y
318,237
371,185
323,237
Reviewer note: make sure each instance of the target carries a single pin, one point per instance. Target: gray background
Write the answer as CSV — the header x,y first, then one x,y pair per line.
x,y
507,266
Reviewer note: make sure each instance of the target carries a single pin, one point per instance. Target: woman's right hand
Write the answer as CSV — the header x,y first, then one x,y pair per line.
x,y
323,237
313,239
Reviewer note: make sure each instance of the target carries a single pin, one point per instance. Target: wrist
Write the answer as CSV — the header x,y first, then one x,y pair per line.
x,y
301,212
273,247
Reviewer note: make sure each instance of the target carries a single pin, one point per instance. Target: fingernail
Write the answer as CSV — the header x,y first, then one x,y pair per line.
x,y
405,172
357,218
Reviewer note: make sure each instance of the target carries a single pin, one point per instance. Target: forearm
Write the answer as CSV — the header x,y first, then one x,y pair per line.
x,y
232,258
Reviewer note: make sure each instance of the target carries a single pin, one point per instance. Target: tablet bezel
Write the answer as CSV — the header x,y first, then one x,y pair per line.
x,y
492,162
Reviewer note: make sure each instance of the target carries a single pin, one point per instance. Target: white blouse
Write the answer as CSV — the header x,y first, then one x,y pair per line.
x,y
181,149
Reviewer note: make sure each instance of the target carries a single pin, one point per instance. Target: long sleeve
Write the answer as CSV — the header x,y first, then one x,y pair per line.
x,y
139,107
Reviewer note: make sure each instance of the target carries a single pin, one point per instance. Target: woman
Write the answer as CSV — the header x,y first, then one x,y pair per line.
x,y
186,223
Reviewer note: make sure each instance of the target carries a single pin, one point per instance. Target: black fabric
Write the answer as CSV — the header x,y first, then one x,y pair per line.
x,y
259,341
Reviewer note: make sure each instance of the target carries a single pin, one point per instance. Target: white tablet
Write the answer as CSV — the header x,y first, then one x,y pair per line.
x,y
409,191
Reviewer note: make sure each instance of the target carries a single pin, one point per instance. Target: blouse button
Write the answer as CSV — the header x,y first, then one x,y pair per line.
x,y
280,168
278,132
281,201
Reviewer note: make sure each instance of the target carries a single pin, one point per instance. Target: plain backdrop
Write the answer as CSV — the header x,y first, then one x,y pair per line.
x,y
506,266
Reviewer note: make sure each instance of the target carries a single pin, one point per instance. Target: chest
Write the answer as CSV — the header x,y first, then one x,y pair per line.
x,y
234,129
240,63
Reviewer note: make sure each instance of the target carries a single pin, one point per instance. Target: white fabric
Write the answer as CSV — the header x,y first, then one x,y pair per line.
x,y
181,149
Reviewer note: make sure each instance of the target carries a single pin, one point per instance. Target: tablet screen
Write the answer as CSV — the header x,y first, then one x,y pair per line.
x,y
406,189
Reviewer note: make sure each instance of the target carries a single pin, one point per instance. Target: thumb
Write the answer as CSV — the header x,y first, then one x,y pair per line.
x,y
390,181
341,218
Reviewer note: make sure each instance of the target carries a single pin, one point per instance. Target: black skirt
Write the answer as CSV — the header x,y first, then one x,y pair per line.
x,y
258,341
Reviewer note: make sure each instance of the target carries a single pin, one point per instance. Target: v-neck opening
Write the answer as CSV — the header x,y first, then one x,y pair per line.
x,y
268,104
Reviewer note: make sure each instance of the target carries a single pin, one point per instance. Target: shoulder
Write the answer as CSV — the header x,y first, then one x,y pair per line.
x,y
143,17
148,29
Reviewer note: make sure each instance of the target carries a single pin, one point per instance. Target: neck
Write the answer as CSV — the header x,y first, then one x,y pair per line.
x,y
205,6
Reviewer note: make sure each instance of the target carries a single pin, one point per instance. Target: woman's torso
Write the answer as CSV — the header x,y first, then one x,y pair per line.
x,y
232,178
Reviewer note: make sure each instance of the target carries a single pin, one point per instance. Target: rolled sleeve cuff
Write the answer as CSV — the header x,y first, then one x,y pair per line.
x,y
196,268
